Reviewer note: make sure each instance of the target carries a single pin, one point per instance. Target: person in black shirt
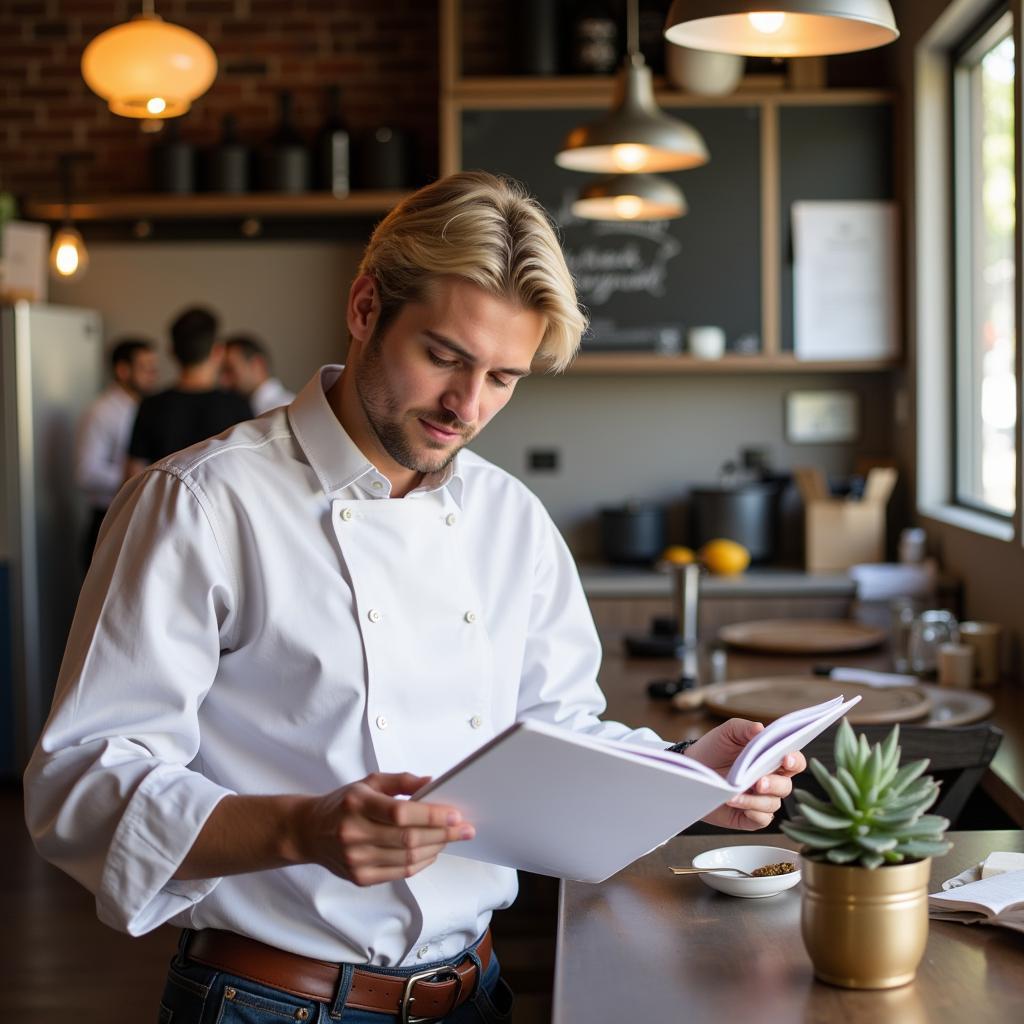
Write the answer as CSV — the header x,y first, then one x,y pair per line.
x,y
194,408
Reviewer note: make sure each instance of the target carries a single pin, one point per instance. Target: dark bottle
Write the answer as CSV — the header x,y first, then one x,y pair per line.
x,y
333,149
594,39
174,162
535,40
286,164
227,167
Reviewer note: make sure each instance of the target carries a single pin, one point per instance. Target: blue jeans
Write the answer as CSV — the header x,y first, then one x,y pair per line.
x,y
197,994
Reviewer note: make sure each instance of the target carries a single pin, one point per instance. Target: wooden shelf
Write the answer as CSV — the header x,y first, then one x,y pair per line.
x,y
212,206
598,91
651,363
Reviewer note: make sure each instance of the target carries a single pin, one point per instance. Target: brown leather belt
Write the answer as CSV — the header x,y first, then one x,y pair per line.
x,y
421,995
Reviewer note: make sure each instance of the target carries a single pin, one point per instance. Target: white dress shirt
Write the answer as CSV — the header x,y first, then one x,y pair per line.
x,y
259,619
102,445
269,395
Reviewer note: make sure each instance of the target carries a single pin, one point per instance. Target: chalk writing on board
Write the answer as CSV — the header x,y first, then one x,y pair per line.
x,y
608,258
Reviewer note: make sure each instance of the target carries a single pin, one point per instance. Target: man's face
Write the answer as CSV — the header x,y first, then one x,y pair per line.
x,y
240,374
440,372
142,372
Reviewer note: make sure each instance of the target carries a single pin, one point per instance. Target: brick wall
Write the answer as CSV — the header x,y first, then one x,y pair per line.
x,y
383,53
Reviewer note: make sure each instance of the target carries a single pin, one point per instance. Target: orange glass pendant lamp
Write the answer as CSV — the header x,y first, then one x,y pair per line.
x,y
149,68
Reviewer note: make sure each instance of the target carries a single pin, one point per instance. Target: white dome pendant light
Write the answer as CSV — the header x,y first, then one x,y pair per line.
x,y
781,28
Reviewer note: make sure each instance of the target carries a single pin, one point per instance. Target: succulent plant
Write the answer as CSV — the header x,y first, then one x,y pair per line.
x,y
875,811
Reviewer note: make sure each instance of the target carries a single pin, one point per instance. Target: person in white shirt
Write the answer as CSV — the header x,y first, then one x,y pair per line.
x,y
287,629
101,448
246,369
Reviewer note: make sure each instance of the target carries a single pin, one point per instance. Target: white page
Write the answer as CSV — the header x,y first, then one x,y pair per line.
x,y
997,894
791,732
845,276
547,800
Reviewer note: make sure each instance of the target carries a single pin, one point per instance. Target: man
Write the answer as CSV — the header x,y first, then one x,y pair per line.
x,y
195,408
105,429
246,370
288,629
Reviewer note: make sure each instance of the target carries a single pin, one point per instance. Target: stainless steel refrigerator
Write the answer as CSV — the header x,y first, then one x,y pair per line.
x,y
51,368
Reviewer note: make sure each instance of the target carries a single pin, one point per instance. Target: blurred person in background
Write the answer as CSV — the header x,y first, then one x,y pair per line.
x,y
247,369
195,408
101,447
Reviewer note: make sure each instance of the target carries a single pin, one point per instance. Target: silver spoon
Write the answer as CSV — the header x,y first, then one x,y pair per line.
x,y
704,871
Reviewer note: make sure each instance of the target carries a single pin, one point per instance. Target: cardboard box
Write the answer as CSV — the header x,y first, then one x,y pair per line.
x,y
840,532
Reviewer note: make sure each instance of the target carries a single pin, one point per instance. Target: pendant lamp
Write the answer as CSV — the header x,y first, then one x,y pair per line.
x,y
630,197
636,136
149,68
781,28
69,258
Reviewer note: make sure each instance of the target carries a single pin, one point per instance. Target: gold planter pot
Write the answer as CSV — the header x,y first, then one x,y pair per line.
x,y
865,929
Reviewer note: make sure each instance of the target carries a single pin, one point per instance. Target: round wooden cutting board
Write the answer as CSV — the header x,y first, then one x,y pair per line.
x,y
764,700
802,636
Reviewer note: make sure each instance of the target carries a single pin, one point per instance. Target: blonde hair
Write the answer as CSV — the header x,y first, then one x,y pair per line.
x,y
486,230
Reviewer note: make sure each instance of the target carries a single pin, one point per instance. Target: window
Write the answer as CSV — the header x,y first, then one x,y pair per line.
x,y
985,421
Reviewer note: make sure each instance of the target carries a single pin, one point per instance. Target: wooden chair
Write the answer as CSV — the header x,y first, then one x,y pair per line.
x,y
958,757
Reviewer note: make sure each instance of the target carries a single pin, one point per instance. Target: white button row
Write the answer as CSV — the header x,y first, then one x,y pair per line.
x,y
470,617
422,952
450,519
347,515
474,723
374,616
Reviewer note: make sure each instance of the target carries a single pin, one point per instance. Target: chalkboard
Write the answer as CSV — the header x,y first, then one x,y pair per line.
x,y
828,152
645,283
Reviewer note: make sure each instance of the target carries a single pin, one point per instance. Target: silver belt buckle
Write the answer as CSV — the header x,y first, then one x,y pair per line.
x,y
408,999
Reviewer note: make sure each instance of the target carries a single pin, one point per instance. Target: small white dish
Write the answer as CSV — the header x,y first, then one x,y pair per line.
x,y
748,858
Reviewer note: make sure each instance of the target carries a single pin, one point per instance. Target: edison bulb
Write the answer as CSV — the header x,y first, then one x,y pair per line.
x,y
629,156
68,255
767,22
156,105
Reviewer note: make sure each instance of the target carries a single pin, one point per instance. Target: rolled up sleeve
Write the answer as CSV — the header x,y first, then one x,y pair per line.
x,y
109,794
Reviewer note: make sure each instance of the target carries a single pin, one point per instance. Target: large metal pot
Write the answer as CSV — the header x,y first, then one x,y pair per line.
x,y
745,513
633,534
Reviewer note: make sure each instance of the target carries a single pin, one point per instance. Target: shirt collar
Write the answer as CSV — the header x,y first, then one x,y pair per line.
x,y
333,455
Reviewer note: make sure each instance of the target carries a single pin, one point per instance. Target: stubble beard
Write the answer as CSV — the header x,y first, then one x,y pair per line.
x,y
394,430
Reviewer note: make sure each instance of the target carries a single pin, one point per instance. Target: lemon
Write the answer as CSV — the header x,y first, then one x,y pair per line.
x,y
725,557
678,555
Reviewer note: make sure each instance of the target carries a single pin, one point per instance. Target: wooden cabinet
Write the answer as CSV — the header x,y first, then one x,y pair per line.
x,y
728,261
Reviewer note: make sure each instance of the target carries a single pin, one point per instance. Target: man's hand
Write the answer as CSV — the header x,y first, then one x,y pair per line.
x,y
362,833
755,808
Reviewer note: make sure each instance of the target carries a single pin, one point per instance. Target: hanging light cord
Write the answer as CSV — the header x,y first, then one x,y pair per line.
x,y
147,8
65,182
632,33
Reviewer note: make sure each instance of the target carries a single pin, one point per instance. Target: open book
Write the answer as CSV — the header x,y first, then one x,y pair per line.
x,y
995,900
563,803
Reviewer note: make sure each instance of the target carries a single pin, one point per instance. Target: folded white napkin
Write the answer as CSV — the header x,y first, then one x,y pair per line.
x,y
996,863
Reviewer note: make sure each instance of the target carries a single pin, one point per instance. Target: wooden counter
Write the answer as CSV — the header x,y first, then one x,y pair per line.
x,y
647,946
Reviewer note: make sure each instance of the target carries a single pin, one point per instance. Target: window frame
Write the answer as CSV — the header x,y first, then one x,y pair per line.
x,y
965,161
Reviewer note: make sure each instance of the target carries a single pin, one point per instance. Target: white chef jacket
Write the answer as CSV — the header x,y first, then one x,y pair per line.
x,y
258,620
102,445
269,395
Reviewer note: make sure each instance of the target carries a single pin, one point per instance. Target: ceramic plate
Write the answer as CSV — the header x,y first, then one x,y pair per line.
x,y
749,858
